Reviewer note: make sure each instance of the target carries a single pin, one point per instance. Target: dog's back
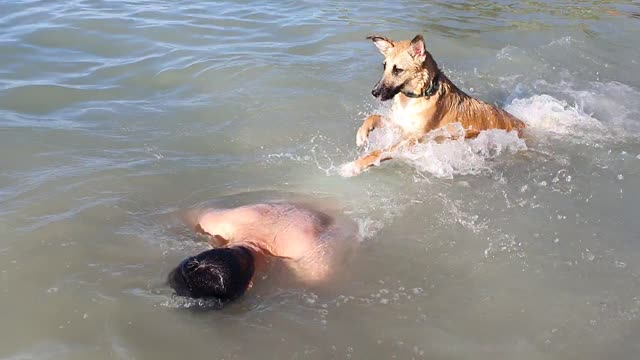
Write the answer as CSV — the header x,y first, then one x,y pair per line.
x,y
425,99
474,115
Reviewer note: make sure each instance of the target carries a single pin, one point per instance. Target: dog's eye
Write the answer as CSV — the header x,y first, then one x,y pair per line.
x,y
396,70
384,65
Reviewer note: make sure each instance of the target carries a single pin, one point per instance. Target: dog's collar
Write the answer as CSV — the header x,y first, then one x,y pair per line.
x,y
432,89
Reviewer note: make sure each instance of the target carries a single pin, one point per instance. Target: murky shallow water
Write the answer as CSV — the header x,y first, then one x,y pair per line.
x,y
115,116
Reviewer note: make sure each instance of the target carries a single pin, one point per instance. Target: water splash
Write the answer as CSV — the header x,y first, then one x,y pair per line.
x,y
461,157
600,113
546,113
179,302
449,157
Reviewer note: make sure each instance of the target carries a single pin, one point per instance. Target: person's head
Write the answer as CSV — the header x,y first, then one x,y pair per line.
x,y
222,273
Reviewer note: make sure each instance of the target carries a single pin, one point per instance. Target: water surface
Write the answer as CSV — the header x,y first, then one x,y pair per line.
x,y
115,116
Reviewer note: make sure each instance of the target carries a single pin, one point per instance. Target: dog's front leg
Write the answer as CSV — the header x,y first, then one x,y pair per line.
x,y
374,158
368,125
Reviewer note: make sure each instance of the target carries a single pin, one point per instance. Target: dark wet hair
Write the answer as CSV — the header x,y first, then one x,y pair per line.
x,y
222,273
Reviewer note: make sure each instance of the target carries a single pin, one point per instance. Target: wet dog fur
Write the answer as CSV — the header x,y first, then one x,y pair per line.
x,y
424,99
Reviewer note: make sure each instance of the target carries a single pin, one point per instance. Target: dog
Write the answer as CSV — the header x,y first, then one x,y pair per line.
x,y
424,99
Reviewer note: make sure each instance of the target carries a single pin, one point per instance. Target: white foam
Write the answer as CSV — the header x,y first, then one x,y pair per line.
x,y
565,41
614,104
544,112
368,227
449,157
596,112
348,170
506,53
179,302
462,157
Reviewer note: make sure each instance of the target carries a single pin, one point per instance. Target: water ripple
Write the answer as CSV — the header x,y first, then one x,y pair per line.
x,y
115,115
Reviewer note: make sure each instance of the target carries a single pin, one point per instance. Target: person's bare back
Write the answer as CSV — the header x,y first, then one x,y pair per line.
x,y
311,242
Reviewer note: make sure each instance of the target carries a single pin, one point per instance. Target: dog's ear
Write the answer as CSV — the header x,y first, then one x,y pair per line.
x,y
382,43
417,48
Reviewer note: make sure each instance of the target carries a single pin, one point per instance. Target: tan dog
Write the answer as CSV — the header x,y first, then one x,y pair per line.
x,y
424,99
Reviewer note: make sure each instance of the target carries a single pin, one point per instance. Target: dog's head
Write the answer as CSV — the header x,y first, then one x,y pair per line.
x,y
408,67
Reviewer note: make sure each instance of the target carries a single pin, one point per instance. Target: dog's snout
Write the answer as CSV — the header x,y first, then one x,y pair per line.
x,y
375,92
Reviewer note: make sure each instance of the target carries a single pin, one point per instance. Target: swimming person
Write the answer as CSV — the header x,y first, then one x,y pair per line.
x,y
312,244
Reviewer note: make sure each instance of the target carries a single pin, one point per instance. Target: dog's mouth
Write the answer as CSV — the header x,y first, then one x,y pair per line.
x,y
389,95
385,93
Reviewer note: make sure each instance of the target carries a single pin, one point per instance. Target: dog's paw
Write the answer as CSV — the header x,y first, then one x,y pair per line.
x,y
350,169
362,137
